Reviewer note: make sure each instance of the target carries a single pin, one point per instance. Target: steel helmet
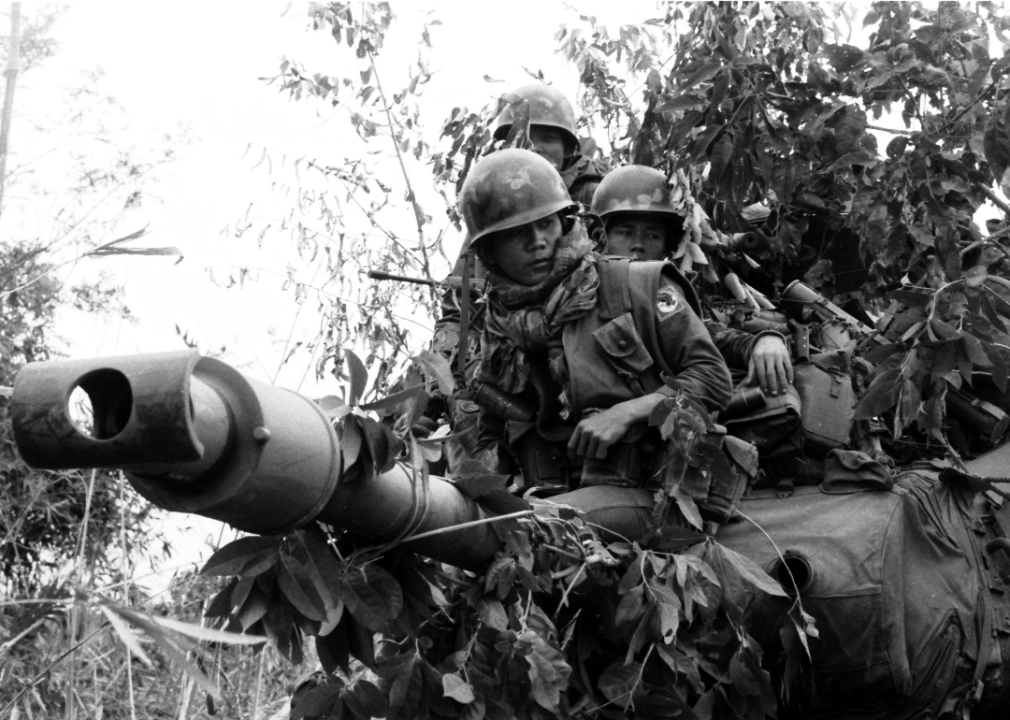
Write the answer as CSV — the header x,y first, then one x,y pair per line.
x,y
633,188
547,107
507,189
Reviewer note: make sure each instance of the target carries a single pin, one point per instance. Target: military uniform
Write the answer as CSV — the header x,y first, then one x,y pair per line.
x,y
641,190
646,326
581,177
643,335
737,347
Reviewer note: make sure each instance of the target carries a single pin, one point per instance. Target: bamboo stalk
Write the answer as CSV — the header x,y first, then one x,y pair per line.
x,y
13,64
76,611
126,596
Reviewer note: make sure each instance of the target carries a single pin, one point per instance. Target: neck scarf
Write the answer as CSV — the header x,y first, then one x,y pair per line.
x,y
526,322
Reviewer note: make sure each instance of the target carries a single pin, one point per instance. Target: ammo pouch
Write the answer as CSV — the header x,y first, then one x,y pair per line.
x,y
795,430
544,463
726,488
716,484
769,426
827,404
634,462
821,403
977,417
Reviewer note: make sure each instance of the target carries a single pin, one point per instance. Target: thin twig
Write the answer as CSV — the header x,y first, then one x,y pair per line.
x,y
986,243
20,636
996,199
890,130
369,215
472,523
47,671
987,240
418,212
966,108
291,330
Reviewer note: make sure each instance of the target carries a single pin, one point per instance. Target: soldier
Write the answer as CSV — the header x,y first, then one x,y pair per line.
x,y
552,136
640,222
588,341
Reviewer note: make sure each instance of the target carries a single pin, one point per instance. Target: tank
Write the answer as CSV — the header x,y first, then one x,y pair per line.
x,y
918,565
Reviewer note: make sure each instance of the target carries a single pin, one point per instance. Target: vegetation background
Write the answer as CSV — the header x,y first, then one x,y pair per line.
x,y
889,121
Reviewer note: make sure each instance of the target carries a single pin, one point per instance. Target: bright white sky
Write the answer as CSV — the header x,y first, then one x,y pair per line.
x,y
198,64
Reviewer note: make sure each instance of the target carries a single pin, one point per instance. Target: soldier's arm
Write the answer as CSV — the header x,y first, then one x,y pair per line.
x,y
698,367
735,345
764,356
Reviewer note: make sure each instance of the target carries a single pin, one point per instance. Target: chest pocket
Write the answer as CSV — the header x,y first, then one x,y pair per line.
x,y
624,349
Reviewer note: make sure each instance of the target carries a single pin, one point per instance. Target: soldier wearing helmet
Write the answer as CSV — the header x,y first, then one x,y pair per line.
x,y
587,340
641,222
552,135
546,118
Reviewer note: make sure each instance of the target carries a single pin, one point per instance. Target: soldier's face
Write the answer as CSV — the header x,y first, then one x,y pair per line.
x,y
638,236
525,254
549,143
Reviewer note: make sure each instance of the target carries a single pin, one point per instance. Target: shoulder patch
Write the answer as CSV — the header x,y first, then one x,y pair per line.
x,y
669,302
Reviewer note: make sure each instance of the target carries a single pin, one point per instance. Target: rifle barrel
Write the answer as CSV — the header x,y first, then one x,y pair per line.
x,y
456,283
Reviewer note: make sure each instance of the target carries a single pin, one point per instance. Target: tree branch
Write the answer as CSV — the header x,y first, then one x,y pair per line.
x,y
418,212
890,130
981,96
996,199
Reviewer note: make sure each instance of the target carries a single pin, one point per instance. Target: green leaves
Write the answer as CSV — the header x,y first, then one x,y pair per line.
x,y
319,702
246,556
619,682
843,59
508,657
372,596
299,589
369,442
359,377
172,637
747,570
455,687
334,700
997,147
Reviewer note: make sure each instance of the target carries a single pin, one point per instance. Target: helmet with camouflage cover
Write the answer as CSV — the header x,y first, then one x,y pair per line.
x,y
633,188
507,189
548,106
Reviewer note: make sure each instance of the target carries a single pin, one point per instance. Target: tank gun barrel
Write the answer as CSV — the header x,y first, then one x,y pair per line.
x,y
192,434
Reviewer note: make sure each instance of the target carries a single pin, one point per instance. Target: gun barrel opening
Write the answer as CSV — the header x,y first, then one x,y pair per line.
x,y
101,404
794,572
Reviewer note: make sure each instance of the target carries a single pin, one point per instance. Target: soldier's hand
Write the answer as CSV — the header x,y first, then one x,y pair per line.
x,y
595,434
770,366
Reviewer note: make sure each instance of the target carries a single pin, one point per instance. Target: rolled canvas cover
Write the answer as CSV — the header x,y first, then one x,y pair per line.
x,y
893,586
